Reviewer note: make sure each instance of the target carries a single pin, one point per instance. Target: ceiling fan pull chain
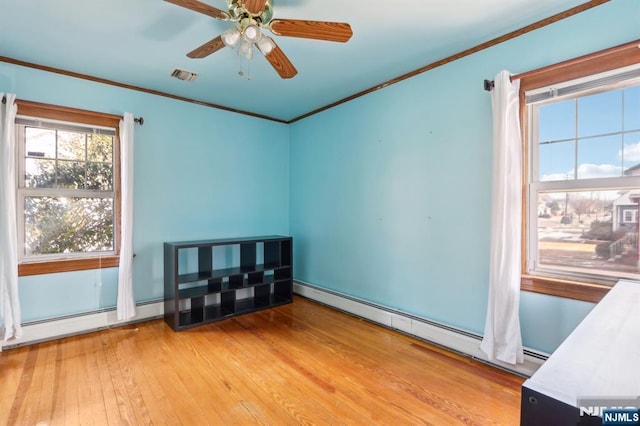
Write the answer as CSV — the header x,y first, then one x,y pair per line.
x,y
240,73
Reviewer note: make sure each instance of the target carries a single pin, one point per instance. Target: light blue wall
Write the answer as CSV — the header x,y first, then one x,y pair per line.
x,y
387,196
390,193
199,173
547,321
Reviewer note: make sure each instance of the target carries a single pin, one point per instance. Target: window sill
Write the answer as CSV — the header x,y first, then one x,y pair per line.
x,y
50,267
562,288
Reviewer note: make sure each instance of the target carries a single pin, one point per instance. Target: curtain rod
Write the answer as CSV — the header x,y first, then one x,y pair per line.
x,y
139,120
489,84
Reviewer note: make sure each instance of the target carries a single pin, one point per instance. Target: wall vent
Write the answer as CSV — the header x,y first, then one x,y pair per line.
x,y
183,74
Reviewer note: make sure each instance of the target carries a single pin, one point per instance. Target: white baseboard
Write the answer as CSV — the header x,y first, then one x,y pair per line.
x,y
453,338
41,331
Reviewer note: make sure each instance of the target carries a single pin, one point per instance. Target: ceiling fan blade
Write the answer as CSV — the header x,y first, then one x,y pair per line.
x,y
255,7
198,6
281,63
207,49
328,31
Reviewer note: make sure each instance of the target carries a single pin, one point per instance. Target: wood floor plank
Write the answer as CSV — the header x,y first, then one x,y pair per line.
x,y
385,364
301,363
194,394
21,390
11,369
294,389
108,398
323,373
246,402
70,379
46,383
93,405
146,375
367,376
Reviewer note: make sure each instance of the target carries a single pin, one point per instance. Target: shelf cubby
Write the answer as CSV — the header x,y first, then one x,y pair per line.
x,y
236,281
282,274
254,278
283,290
227,303
214,285
286,253
262,295
210,280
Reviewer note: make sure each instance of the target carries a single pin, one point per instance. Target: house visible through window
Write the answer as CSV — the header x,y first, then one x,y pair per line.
x,y
584,178
67,188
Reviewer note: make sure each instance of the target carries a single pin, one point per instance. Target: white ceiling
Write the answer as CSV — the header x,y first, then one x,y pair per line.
x,y
138,42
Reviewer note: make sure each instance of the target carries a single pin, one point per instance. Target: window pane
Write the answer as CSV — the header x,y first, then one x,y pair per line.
x,y
600,114
592,232
99,176
556,161
557,121
632,108
71,145
600,157
40,142
56,225
70,174
632,153
39,173
99,148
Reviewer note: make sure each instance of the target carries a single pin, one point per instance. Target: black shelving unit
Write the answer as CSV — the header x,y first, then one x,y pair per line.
x,y
260,277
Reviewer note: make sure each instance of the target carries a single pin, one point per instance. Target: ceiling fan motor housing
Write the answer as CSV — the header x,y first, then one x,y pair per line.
x,y
238,12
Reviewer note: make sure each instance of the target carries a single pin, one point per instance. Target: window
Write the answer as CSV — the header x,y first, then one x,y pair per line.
x,y
68,207
585,147
630,216
581,124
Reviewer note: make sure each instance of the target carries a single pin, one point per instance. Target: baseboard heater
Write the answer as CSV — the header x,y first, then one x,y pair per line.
x,y
452,338
85,322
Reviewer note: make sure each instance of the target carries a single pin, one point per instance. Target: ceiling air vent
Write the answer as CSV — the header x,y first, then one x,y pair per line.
x,y
183,74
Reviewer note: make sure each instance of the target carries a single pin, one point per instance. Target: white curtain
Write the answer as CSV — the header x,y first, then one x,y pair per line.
x,y
126,306
502,339
9,299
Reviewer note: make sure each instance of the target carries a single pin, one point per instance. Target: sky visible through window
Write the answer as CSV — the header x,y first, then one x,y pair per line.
x,y
605,127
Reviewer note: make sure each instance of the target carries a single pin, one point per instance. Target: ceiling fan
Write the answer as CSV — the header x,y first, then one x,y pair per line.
x,y
252,15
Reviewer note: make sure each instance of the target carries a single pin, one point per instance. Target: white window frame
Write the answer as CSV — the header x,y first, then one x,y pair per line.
x,y
611,80
23,192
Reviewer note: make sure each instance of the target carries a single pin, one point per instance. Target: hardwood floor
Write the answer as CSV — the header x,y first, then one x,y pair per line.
x,y
297,364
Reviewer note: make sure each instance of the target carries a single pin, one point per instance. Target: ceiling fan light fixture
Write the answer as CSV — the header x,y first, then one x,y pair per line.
x,y
231,37
265,45
246,49
252,33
